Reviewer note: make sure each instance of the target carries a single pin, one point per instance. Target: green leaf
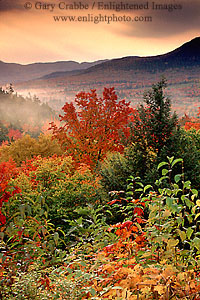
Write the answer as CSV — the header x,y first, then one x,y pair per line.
x,y
180,220
78,274
168,192
183,198
195,192
177,178
140,183
196,242
193,209
176,161
69,270
170,159
83,264
139,190
169,202
189,203
92,292
79,221
182,235
147,187
56,238
187,185
189,232
162,178
162,164
13,245
138,226
175,208
41,212
129,192
109,212
164,172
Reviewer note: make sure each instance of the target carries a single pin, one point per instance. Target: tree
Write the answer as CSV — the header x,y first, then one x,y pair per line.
x,y
153,123
153,132
14,134
185,144
95,127
3,133
27,147
191,122
9,89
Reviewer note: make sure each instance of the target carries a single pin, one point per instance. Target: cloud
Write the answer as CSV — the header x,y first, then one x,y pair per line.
x,y
9,5
17,5
165,22
38,37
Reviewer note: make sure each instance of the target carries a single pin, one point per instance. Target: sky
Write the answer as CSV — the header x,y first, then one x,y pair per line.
x,y
33,31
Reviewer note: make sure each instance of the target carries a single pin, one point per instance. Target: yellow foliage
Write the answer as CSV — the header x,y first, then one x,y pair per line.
x,y
28,147
167,213
161,289
146,290
182,276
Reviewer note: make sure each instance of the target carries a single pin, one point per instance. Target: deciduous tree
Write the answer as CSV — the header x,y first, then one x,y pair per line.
x,y
93,125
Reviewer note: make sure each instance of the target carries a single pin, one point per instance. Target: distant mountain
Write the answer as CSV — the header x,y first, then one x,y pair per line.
x,y
187,55
64,73
130,76
13,73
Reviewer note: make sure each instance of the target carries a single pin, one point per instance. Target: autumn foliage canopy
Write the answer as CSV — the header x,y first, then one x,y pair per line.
x,y
93,126
125,230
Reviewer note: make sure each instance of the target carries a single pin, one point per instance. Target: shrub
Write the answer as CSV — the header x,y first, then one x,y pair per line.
x,y
28,147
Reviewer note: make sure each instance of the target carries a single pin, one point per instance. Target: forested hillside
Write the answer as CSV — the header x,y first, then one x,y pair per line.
x,y
13,72
20,115
105,205
130,76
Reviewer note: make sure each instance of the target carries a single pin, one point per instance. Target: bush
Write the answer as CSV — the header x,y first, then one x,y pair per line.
x,y
59,184
28,147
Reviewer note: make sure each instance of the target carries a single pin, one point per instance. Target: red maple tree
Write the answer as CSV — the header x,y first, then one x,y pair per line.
x,y
94,126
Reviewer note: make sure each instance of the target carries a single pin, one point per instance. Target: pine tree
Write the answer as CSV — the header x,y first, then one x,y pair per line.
x,y
153,122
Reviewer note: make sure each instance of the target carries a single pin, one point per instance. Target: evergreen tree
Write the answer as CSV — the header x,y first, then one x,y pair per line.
x,y
3,133
153,123
153,133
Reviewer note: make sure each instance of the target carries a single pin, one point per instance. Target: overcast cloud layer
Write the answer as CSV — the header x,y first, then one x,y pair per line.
x,y
9,5
35,35
164,23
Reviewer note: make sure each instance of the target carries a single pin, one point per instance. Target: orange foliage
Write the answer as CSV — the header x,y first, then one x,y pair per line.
x,y
192,122
95,128
122,276
45,126
14,134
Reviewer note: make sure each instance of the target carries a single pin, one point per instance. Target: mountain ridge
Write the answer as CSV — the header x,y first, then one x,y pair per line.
x,y
14,72
179,58
188,53
130,76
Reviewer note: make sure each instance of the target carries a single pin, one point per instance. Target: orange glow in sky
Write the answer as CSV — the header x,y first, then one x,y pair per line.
x,y
30,33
